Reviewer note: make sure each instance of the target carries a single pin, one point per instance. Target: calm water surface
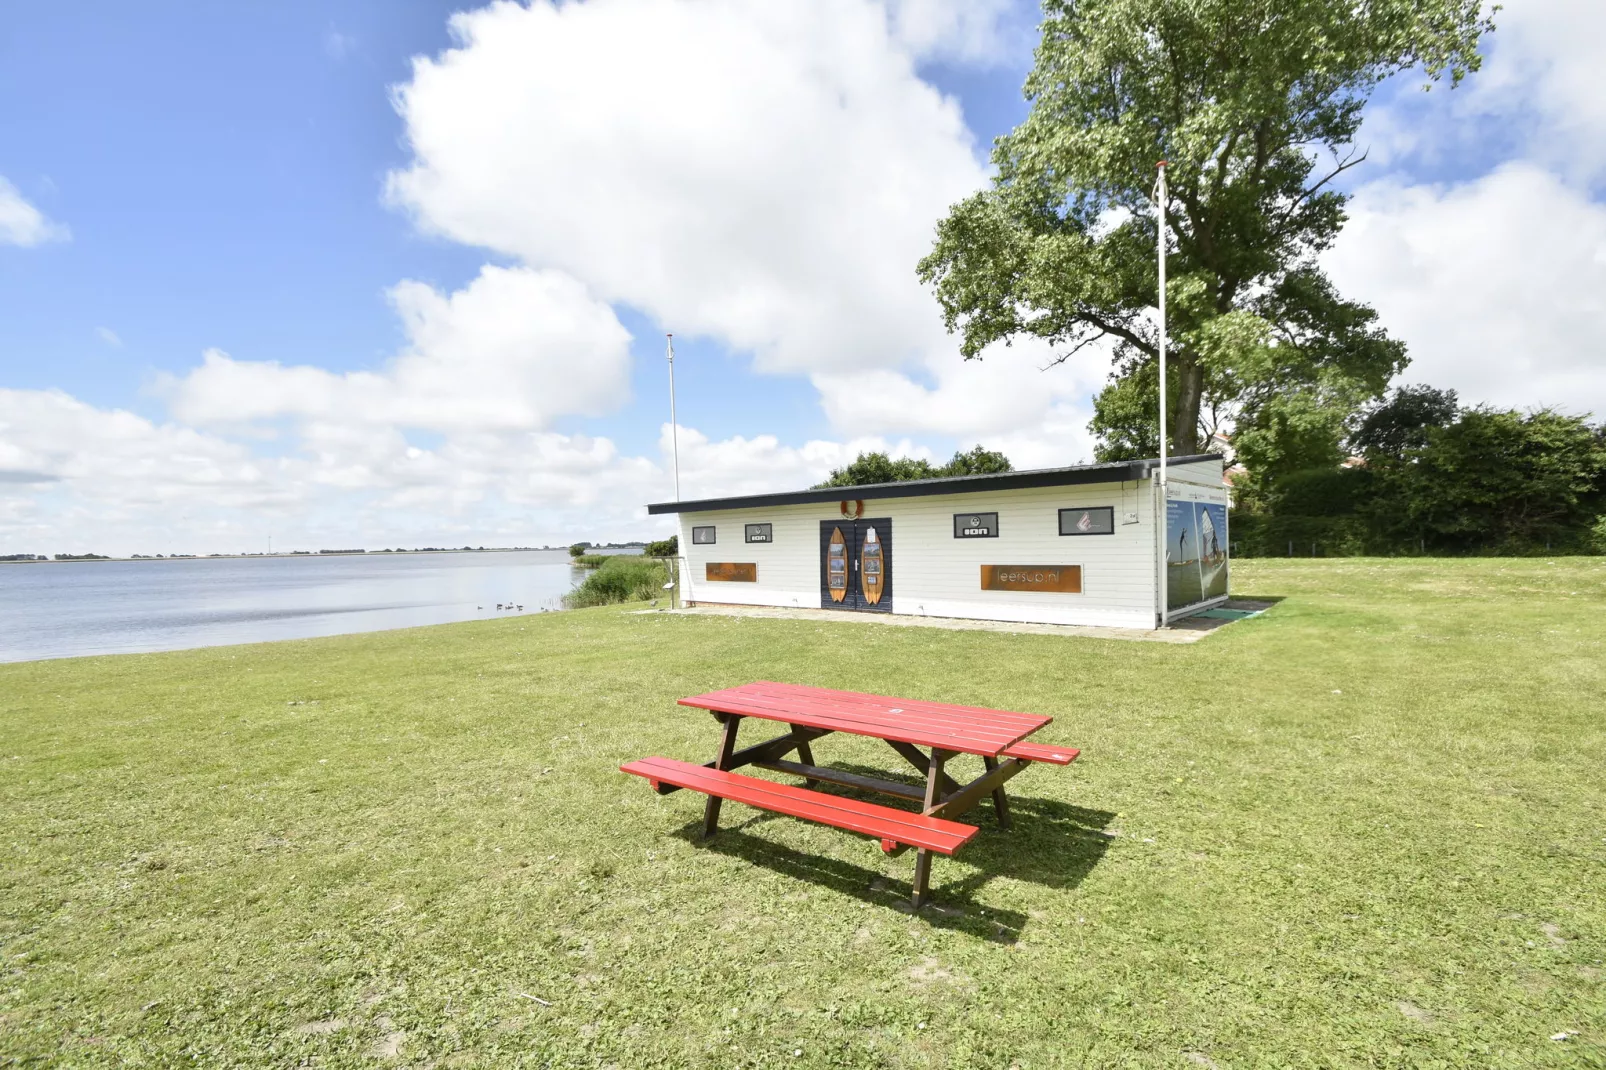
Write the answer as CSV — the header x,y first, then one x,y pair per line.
x,y
68,608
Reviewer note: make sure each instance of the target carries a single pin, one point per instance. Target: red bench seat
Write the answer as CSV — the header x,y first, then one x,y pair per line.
x,y
893,827
1039,752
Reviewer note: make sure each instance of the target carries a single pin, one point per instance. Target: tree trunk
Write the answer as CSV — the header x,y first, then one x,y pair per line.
x,y
1184,423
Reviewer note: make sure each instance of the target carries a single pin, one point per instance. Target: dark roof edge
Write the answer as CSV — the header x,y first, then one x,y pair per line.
x,y
1110,472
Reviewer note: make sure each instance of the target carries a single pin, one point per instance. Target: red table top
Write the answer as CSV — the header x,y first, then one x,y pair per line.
x,y
971,729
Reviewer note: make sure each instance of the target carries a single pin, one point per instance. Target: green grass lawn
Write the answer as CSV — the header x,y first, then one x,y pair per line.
x,y
1365,829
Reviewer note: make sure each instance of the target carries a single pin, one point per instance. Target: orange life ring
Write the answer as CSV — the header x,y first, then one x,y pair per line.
x,y
858,509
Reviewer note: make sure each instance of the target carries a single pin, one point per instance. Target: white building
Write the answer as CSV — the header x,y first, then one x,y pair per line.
x,y
1057,546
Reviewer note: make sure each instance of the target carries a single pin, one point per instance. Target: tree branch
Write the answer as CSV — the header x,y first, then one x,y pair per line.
x,y
1061,358
1349,161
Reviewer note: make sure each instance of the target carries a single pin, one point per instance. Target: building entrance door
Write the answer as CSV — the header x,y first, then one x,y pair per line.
x,y
856,564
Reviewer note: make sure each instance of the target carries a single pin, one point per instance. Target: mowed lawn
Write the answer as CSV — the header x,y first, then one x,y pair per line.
x,y
1365,829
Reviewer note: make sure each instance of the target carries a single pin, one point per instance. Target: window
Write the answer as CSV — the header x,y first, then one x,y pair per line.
x,y
1099,520
975,525
759,533
703,536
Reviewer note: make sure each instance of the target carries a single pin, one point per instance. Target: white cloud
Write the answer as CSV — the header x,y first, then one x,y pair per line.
x,y
1011,388
1498,286
1543,77
981,32
1537,98
109,336
337,45
767,174
23,224
762,463
119,459
511,351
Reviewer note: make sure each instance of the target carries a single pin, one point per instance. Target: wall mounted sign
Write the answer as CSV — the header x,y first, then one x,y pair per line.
x,y
975,525
702,536
1059,579
732,572
1099,520
760,533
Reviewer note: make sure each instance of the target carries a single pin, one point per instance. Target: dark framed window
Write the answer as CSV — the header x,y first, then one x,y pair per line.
x,y
703,536
975,525
1098,520
760,533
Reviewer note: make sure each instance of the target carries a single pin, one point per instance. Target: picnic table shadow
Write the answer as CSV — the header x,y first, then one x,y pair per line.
x,y
1053,843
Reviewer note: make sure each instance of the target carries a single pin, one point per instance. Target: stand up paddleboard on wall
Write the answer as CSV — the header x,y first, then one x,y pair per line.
x,y
836,563
870,572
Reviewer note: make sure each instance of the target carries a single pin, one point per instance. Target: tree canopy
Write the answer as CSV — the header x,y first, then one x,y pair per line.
x,y
1426,475
1255,107
870,468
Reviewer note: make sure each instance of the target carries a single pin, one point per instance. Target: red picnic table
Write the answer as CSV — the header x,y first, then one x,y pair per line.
x,y
908,725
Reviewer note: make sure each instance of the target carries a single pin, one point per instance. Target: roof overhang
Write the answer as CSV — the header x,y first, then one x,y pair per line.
x,y
1077,475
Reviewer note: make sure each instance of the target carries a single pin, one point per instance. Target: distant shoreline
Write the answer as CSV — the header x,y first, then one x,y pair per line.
x,y
317,554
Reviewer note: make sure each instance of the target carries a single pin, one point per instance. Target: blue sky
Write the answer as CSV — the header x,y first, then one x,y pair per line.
x,y
434,297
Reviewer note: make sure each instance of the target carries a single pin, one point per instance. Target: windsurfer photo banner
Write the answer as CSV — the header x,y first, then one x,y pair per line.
x,y
1195,552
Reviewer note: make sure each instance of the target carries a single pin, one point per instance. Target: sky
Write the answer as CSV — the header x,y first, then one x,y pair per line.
x,y
382,273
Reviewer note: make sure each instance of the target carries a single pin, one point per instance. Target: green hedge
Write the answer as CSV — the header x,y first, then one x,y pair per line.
x,y
1254,535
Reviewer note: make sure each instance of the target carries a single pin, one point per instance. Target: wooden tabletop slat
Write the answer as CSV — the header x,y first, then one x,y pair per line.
x,y
975,716
969,729
858,705
928,721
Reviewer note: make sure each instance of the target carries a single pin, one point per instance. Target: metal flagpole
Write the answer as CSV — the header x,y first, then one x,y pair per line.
x,y
1163,511
674,439
1159,210
674,425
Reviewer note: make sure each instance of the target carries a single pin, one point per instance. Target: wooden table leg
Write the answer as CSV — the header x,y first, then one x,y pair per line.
x,y
915,757
934,779
1000,801
805,754
727,747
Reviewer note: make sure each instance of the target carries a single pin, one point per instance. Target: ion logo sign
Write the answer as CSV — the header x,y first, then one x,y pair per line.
x,y
975,525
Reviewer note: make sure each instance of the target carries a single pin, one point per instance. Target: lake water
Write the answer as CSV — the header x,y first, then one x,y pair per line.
x,y
69,608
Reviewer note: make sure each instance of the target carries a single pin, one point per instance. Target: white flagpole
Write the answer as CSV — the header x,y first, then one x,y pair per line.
x,y
1159,210
1164,508
674,438
674,424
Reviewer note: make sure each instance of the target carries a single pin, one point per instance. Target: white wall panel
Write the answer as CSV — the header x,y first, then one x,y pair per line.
x,y
935,574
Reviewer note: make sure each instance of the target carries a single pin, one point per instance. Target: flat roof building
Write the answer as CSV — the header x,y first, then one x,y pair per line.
x,y
1078,545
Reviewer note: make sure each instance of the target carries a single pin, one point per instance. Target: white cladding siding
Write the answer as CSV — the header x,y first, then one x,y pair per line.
x,y
935,574
1207,473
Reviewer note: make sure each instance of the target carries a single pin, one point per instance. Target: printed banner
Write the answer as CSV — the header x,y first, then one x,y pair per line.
x,y
1195,552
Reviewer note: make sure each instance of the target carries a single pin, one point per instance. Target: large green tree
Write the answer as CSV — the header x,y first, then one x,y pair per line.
x,y
1255,105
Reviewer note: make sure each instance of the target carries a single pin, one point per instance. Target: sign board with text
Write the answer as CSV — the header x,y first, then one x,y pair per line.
x,y
1056,579
732,572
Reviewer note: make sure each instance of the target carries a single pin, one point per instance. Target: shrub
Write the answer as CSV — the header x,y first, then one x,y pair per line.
x,y
669,547
620,578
